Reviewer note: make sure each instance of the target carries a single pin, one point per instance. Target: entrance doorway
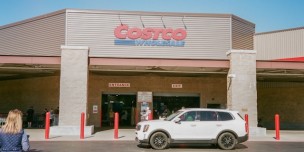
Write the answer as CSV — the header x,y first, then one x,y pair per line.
x,y
123,104
165,104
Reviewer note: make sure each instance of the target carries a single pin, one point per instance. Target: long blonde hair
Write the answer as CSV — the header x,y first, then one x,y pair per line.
x,y
13,123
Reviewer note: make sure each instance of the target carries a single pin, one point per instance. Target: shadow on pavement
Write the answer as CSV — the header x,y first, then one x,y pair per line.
x,y
35,150
98,129
54,137
241,146
193,146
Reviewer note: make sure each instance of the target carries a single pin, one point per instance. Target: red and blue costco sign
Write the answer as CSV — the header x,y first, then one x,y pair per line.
x,y
149,36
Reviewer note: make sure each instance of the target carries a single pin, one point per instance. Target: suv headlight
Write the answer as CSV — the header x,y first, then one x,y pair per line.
x,y
146,127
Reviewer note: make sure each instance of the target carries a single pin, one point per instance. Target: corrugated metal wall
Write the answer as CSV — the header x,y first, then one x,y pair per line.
x,y
38,37
279,45
242,34
207,37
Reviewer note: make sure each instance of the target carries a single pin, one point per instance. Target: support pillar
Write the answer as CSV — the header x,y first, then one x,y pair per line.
x,y
73,90
241,86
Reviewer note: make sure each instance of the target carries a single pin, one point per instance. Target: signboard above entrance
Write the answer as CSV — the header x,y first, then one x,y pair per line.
x,y
177,86
144,96
149,36
119,85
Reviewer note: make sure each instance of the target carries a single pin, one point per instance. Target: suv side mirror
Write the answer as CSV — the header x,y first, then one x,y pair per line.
x,y
177,120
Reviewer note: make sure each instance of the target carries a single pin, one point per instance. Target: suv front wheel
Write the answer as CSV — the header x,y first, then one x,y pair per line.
x,y
159,140
226,141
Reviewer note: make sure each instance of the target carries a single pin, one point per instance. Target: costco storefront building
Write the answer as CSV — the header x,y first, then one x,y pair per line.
x,y
96,61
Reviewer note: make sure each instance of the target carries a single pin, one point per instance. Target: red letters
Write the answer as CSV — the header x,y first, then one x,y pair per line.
x,y
134,33
123,32
118,31
179,34
147,33
165,34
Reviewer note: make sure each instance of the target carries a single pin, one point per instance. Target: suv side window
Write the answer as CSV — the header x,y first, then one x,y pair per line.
x,y
224,116
208,116
189,116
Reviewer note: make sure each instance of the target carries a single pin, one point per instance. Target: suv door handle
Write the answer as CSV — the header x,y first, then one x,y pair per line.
x,y
218,125
193,125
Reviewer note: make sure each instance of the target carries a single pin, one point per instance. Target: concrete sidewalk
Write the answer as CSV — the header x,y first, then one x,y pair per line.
x,y
106,135
285,136
129,135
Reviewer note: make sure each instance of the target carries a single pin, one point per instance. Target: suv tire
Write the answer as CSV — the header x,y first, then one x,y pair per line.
x,y
226,141
159,140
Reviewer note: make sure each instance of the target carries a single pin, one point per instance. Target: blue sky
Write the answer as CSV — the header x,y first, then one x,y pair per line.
x,y
268,15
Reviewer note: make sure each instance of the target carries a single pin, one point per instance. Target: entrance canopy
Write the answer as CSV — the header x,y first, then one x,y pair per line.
x,y
19,67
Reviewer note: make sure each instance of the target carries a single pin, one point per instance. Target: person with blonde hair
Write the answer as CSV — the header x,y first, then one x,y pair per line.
x,y
12,136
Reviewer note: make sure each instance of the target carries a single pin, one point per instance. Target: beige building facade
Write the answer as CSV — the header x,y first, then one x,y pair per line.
x,y
280,89
100,61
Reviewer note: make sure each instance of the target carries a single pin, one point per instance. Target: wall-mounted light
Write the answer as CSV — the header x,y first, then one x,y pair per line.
x,y
231,75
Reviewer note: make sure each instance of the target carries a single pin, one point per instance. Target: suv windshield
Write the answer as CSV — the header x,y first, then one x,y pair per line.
x,y
172,116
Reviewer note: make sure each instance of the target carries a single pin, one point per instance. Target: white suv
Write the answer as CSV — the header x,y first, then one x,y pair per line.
x,y
196,125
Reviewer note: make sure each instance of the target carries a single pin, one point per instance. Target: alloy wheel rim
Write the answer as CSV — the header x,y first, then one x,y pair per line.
x,y
159,141
227,141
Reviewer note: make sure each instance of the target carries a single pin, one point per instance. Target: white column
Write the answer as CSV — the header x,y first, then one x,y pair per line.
x,y
241,85
73,89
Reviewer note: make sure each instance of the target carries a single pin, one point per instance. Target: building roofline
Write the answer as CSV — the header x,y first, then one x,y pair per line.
x,y
242,20
33,19
278,31
147,13
151,13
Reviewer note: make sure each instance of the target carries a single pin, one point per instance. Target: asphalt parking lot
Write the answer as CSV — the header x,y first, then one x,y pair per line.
x,y
132,146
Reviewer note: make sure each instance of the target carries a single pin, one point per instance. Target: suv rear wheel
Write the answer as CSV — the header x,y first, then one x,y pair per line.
x,y
226,141
159,140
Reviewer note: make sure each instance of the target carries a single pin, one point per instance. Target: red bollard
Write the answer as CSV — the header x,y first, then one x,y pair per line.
x,y
82,126
150,117
247,123
47,126
116,124
277,126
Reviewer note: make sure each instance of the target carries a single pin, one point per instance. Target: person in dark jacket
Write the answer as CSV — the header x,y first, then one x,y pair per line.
x,y
30,116
12,136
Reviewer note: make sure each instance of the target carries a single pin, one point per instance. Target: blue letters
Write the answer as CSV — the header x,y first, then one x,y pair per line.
x,y
170,43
